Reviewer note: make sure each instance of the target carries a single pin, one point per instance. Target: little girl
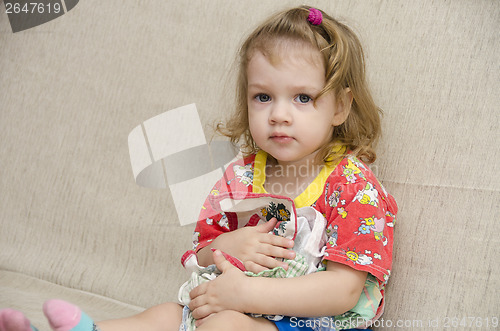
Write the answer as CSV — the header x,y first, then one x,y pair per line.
x,y
307,125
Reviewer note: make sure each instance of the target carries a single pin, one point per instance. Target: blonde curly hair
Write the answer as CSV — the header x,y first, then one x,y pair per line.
x,y
344,68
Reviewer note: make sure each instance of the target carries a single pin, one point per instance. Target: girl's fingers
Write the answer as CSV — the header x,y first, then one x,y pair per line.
x,y
196,305
202,320
254,267
275,240
197,291
264,262
277,252
200,312
267,226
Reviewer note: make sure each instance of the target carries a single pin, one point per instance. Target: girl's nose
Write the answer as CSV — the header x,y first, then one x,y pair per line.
x,y
280,114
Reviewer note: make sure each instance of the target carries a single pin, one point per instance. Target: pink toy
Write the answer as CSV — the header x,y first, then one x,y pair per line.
x,y
11,319
62,316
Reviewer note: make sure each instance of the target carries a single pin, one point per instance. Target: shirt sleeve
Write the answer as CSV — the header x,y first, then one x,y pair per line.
x,y
360,224
211,223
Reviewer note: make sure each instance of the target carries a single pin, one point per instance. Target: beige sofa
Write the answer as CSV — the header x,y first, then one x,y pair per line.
x,y
75,225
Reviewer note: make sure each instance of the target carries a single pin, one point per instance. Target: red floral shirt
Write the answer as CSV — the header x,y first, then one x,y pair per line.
x,y
360,213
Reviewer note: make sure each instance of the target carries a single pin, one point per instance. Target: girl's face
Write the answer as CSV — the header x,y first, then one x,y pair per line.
x,y
283,119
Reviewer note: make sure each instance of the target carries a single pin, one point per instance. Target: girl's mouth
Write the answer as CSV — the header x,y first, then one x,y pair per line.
x,y
281,138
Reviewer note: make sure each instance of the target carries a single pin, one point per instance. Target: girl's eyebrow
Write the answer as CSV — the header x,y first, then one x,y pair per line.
x,y
294,87
256,85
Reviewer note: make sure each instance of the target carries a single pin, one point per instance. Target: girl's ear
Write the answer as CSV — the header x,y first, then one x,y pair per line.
x,y
344,103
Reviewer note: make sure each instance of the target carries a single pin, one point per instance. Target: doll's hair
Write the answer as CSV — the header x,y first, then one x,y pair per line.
x,y
344,67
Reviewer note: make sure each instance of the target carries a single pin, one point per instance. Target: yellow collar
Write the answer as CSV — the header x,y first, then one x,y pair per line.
x,y
310,195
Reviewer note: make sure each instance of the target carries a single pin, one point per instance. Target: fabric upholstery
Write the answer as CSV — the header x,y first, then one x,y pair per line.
x,y
74,224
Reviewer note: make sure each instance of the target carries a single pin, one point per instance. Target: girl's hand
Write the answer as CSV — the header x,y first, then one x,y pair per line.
x,y
254,246
222,293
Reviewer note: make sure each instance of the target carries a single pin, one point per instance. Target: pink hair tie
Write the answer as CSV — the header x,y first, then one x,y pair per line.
x,y
315,17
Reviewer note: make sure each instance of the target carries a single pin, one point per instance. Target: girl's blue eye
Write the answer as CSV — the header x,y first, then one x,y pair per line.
x,y
263,98
303,98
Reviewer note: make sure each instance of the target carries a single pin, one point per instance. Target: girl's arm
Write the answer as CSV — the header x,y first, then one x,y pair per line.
x,y
253,245
325,293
